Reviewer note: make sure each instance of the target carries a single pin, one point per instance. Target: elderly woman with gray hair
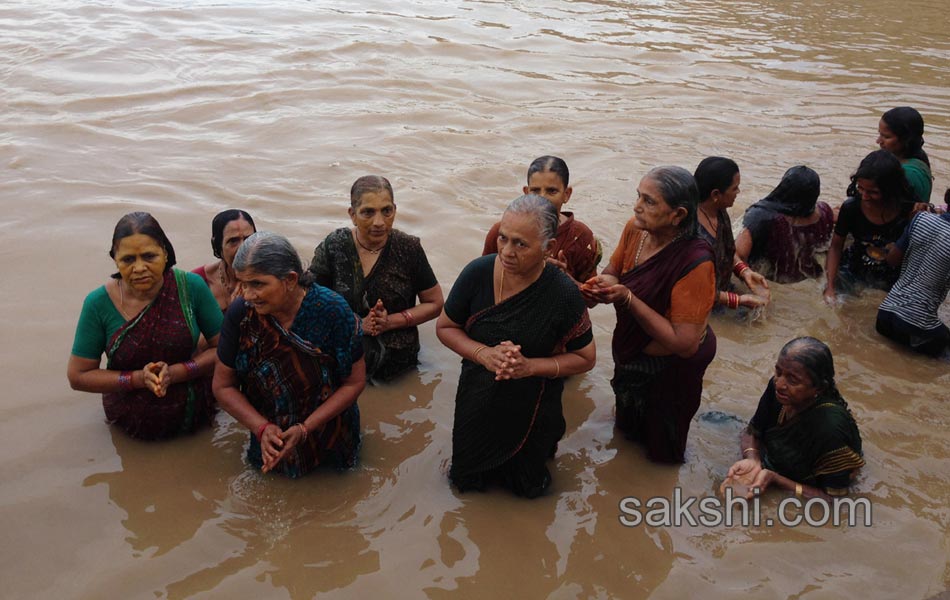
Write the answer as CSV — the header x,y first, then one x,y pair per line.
x,y
662,282
290,363
520,326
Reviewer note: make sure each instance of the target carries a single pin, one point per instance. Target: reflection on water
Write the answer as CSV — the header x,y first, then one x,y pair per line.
x,y
184,109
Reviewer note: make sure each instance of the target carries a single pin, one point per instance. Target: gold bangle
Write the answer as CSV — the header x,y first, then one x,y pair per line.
x,y
749,450
304,428
799,492
557,368
477,350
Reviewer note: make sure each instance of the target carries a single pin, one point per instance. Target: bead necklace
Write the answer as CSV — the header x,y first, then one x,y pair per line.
x,y
360,244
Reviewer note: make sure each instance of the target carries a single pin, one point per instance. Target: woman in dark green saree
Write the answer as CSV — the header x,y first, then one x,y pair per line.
x,y
520,325
803,437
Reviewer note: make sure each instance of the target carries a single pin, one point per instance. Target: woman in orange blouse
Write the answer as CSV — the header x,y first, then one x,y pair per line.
x,y
661,280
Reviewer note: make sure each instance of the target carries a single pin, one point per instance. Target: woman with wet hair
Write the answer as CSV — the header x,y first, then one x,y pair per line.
x,y
520,325
717,179
147,320
782,232
901,132
802,438
873,219
290,363
380,271
661,280
229,229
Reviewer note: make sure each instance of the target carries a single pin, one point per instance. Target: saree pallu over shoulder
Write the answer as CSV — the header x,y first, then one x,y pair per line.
x,y
286,378
652,282
166,330
820,446
510,428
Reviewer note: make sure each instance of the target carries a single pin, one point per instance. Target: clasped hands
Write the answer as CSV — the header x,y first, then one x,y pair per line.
x,y
604,289
506,361
276,444
157,378
377,321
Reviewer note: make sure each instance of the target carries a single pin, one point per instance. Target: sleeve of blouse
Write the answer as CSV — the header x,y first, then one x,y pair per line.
x,y
206,308
320,266
845,220
90,339
424,277
693,296
617,258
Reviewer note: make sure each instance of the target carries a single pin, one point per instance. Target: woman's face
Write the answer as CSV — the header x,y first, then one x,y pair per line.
x,y
141,262
520,247
793,385
728,197
548,185
868,190
266,293
234,234
373,217
888,140
651,211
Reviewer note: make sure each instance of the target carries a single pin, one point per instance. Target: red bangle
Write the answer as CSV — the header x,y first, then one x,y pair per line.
x,y
408,317
192,367
739,268
260,432
732,300
125,381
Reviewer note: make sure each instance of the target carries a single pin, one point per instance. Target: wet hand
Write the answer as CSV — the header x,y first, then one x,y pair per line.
x,y
271,445
752,301
156,378
746,467
560,262
763,479
515,366
289,438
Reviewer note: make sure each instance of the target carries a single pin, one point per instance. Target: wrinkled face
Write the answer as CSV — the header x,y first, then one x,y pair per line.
x,y
549,185
520,247
234,234
266,293
141,262
374,216
868,190
651,211
793,384
887,139
728,197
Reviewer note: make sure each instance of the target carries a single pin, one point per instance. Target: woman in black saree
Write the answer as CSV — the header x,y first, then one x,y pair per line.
x,y
520,325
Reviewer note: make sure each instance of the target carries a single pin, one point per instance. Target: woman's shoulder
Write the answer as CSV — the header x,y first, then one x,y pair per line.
x,y
338,237
97,297
328,299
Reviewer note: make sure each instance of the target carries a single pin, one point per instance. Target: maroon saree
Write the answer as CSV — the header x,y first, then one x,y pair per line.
x,y
165,330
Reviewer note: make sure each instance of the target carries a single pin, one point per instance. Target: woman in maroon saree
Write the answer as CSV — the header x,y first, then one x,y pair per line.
x,y
520,325
661,280
147,320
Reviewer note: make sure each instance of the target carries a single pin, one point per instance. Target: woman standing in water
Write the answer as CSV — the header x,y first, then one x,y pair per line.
x,y
874,218
229,229
380,271
901,132
718,181
520,325
147,320
661,280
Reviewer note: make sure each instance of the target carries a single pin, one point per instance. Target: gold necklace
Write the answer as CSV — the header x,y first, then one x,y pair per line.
x,y
122,302
501,287
643,239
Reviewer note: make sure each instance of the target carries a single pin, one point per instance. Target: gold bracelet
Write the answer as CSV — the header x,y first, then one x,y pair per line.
x,y
749,450
477,350
304,428
799,492
557,368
